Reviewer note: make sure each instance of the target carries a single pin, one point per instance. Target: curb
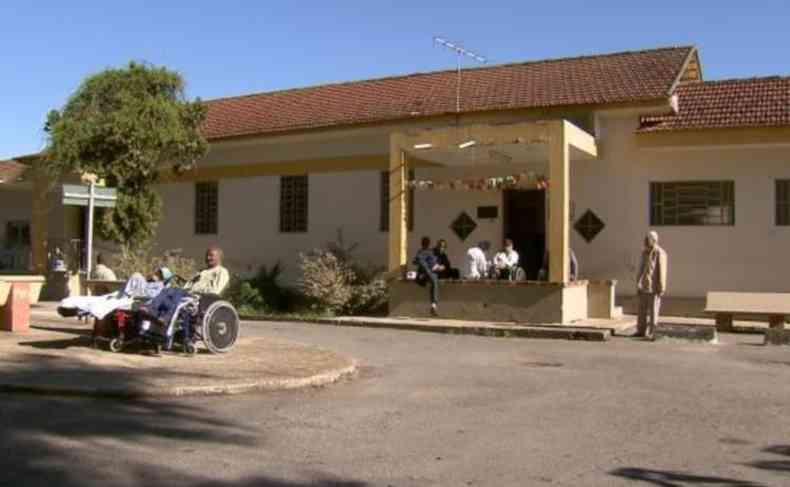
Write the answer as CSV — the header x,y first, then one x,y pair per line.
x,y
513,331
263,385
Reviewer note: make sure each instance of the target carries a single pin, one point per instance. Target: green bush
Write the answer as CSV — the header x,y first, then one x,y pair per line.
x,y
246,298
146,262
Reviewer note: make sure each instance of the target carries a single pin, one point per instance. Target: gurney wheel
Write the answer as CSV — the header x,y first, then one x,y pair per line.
x,y
116,345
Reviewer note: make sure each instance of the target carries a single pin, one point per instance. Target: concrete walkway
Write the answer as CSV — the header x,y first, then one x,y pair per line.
x,y
590,330
57,357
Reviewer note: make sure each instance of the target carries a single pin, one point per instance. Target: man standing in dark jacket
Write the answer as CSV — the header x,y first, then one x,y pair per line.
x,y
428,268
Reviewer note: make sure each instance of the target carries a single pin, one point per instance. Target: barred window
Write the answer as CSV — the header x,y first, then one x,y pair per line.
x,y
293,204
17,233
692,203
783,202
384,204
206,206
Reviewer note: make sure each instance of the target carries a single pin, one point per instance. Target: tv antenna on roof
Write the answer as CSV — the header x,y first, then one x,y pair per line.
x,y
460,53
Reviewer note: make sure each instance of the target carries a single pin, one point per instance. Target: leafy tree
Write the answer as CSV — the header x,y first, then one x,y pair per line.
x,y
126,126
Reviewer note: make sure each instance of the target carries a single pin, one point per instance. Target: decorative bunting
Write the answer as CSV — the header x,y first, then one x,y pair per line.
x,y
517,181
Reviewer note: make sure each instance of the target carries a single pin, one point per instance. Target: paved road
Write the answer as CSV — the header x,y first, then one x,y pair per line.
x,y
437,410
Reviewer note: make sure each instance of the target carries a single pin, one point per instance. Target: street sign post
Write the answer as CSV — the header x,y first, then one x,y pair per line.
x,y
91,196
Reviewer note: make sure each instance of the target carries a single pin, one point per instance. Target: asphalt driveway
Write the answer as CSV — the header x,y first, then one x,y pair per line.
x,y
431,410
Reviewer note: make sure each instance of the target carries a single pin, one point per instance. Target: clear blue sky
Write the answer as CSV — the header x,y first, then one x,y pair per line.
x,y
229,48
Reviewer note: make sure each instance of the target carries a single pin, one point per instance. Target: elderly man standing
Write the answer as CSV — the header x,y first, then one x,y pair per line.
x,y
651,285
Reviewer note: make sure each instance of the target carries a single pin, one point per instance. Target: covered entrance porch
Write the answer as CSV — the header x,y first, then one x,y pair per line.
x,y
529,163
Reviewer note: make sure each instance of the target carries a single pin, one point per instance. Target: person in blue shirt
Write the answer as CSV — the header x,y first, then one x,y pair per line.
x,y
428,269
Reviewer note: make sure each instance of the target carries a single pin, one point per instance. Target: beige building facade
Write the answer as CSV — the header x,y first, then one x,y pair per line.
x,y
706,164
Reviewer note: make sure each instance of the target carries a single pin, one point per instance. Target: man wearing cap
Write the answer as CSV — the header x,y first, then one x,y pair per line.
x,y
651,284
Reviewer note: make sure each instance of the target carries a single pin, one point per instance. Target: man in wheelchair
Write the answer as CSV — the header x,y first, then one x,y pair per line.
x,y
211,281
153,311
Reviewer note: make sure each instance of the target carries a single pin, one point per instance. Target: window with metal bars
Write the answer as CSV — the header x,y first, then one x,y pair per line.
x,y
783,202
384,204
692,203
293,204
206,208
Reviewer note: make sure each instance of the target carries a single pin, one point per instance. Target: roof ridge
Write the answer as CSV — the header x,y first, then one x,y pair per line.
x,y
449,70
773,77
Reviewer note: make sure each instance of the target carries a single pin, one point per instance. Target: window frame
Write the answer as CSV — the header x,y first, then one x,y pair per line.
x,y
779,204
294,226
384,202
657,218
201,227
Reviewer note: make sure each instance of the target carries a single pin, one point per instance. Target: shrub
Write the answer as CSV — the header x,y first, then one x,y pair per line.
x,y
326,280
146,262
267,282
332,280
244,296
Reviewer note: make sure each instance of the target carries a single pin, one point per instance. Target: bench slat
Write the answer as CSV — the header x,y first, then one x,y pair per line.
x,y
748,303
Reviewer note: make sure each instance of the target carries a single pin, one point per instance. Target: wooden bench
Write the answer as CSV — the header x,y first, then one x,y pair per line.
x,y
725,305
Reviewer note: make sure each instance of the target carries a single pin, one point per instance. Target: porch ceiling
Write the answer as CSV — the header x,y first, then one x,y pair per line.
x,y
513,144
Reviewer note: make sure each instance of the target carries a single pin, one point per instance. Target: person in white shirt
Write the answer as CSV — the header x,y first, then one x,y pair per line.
x,y
506,261
477,261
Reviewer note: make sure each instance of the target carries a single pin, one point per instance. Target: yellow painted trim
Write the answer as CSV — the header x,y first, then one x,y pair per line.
x,y
289,168
398,167
559,202
714,137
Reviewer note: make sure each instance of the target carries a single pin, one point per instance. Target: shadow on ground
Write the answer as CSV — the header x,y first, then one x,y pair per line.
x,y
70,442
669,478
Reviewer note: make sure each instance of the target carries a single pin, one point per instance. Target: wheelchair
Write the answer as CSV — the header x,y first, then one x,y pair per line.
x,y
196,317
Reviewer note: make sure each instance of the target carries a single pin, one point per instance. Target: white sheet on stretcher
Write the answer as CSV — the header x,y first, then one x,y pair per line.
x,y
98,306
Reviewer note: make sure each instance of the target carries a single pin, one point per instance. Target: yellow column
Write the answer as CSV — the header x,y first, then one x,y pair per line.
x,y
39,221
398,245
559,191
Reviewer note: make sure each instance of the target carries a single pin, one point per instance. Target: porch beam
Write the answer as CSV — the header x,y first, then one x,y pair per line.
x,y
581,140
398,233
448,138
559,190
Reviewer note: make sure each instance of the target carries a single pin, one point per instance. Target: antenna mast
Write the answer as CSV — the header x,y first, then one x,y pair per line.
x,y
460,52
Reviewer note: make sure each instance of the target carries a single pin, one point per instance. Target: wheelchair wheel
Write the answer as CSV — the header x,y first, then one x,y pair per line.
x,y
116,345
191,349
220,327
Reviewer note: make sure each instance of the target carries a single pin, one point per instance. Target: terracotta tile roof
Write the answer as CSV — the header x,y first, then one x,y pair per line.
x,y
601,79
753,102
11,170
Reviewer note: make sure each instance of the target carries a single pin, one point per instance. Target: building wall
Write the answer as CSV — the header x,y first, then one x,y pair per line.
x,y
745,257
14,206
248,220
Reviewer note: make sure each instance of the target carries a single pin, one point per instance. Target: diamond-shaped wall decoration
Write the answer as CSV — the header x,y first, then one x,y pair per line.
x,y
589,226
463,226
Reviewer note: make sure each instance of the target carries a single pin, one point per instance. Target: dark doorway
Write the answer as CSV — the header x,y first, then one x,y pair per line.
x,y
525,223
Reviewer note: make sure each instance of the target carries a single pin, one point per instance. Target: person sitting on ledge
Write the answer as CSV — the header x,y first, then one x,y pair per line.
x,y
506,261
477,261
102,272
427,272
440,251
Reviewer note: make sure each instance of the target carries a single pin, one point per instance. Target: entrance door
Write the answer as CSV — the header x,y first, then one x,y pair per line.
x,y
525,224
